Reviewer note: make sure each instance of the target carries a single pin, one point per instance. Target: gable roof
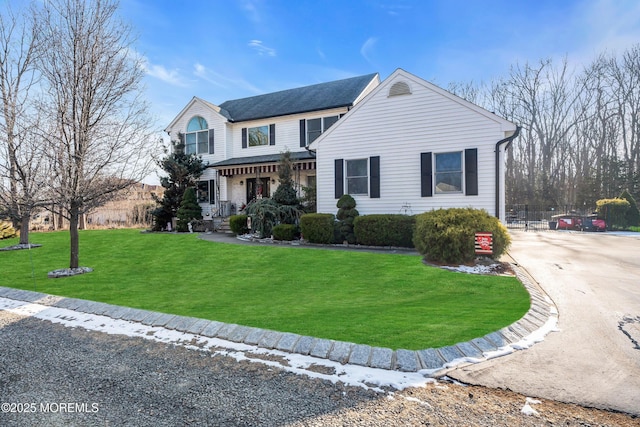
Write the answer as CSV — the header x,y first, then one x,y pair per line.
x,y
322,96
194,100
506,126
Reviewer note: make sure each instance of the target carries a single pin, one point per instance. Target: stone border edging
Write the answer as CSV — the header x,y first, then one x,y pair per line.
x,y
429,361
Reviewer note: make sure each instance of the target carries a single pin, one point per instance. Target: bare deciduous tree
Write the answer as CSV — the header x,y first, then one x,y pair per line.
x,y
22,163
101,143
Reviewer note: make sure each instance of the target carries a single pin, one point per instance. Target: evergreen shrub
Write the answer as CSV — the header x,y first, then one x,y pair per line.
x,y
347,213
614,212
286,232
448,235
189,209
317,227
264,215
238,224
385,230
633,213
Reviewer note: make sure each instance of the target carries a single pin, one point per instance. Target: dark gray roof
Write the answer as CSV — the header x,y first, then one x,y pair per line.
x,y
268,158
322,96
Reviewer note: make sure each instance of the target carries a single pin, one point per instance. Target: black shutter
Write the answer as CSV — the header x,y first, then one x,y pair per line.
x,y
426,176
303,133
244,137
374,180
471,171
211,147
272,134
339,178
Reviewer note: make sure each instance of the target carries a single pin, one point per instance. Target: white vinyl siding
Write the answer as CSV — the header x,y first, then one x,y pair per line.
x,y
399,129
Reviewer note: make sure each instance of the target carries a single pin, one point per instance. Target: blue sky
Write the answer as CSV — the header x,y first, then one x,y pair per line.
x,y
220,50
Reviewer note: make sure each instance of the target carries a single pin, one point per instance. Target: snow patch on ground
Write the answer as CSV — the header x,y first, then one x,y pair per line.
x,y
353,375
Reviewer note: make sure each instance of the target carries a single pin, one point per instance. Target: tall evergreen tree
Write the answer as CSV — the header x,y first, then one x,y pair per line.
x,y
183,171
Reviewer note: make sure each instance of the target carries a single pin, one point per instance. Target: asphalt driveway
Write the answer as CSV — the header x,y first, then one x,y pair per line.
x,y
594,358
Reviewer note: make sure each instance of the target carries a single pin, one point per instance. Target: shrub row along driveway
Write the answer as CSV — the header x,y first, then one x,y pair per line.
x,y
594,359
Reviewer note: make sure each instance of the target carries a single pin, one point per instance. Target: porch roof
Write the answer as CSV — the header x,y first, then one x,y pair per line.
x,y
249,165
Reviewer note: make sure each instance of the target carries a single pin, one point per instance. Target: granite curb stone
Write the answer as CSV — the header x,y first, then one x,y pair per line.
x,y
321,348
340,351
287,342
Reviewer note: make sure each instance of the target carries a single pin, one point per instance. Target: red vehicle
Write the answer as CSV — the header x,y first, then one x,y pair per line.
x,y
580,223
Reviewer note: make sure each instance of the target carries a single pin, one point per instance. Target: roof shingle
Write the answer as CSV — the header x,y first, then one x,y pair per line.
x,y
322,96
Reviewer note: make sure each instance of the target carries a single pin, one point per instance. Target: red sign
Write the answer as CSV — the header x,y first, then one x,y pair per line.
x,y
484,243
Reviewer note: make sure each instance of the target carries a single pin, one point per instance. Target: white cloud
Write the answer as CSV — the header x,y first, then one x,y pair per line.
x,y
368,47
172,77
262,50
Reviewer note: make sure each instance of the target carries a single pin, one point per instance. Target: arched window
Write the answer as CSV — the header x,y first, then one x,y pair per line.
x,y
197,137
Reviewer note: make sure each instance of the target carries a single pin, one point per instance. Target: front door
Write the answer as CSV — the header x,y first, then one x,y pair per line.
x,y
257,188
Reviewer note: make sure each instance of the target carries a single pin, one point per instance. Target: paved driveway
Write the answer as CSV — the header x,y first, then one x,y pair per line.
x,y
594,358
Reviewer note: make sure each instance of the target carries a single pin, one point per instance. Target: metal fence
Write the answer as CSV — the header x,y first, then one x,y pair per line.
x,y
539,218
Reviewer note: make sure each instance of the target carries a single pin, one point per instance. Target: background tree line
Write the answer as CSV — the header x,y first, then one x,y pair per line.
x,y
580,137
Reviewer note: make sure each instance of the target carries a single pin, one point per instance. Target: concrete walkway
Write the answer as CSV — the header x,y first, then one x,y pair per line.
x,y
532,328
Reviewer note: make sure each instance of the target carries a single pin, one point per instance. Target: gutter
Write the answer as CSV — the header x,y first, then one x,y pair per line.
x,y
508,140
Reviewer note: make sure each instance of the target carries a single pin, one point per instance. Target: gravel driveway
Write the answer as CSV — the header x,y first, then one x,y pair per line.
x,y
54,375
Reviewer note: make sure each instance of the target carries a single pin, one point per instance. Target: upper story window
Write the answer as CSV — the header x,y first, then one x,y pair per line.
x,y
315,127
197,137
448,176
259,136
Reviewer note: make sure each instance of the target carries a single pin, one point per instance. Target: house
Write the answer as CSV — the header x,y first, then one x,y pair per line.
x,y
241,140
411,147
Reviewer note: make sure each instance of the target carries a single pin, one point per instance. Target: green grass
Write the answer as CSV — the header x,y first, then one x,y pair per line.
x,y
377,299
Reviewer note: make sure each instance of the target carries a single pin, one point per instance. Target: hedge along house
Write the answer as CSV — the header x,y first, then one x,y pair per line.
x,y
241,140
411,147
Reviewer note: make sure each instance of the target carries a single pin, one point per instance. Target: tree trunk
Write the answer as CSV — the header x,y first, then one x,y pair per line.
x,y
24,229
73,235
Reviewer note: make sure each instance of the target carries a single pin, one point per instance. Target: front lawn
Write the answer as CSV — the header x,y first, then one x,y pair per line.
x,y
382,300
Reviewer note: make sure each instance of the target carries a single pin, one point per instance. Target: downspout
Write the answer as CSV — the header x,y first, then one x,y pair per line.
x,y
508,140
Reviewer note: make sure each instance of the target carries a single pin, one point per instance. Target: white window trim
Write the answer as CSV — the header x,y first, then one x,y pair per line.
x,y
346,177
258,145
323,127
436,190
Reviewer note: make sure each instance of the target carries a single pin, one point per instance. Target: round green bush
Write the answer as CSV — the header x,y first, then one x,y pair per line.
x,y
385,230
238,224
317,227
286,232
448,235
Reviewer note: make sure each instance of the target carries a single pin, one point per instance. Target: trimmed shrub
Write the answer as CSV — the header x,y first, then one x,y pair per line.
x,y
385,230
614,212
285,232
347,213
238,224
7,231
448,235
317,227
